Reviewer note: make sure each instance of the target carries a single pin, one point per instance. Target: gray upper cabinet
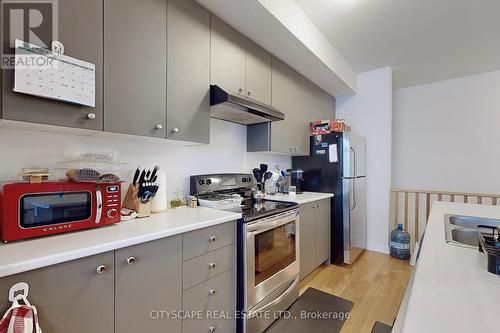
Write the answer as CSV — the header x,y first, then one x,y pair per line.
x,y
258,73
188,75
238,65
287,136
148,277
302,102
80,30
227,68
70,297
135,77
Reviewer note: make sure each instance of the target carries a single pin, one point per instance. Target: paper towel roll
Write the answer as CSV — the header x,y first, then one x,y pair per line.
x,y
160,201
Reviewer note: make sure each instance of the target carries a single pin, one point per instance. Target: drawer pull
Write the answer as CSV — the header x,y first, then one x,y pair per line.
x,y
101,269
212,264
211,329
91,116
212,239
131,260
212,292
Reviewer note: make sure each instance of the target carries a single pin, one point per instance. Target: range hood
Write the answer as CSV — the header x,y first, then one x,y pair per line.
x,y
239,109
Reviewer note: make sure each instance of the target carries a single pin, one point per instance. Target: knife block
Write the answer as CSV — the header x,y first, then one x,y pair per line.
x,y
133,202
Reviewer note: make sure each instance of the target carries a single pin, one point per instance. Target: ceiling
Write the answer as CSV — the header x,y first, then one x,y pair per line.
x,y
422,40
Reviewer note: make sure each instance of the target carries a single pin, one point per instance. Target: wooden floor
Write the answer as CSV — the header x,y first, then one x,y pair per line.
x,y
375,283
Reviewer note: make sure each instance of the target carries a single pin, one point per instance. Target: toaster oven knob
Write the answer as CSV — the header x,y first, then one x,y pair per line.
x,y
112,213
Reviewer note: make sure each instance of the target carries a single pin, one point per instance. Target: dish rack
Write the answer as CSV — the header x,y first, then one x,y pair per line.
x,y
93,167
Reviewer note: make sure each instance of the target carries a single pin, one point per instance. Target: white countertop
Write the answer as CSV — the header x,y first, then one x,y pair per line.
x,y
22,256
452,290
300,199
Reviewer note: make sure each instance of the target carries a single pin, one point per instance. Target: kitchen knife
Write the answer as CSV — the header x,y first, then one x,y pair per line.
x,y
258,175
264,168
136,176
154,174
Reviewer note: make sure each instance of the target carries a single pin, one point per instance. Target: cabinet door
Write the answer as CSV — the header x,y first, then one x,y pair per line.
x,y
227,57
258,73
135,77
70,297
307,239
292,134
188,79
148,278
80,30
323,225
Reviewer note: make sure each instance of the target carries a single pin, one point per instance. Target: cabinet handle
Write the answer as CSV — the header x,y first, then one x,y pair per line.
x,y
319,205
212,239
131,260
212,265
211,329
101,269
314,206
249,92
241,89
91,116
159,127
175,130
212,292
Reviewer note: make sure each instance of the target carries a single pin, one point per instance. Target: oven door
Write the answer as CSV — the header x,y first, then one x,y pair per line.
x,y
272,255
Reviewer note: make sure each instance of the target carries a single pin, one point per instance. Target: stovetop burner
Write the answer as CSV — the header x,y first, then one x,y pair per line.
x,y
216,188
255,210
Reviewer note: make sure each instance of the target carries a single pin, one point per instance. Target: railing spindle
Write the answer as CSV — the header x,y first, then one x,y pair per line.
x,y
406,210
417,206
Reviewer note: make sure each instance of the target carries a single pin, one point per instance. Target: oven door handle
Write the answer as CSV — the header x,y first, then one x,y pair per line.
x,y
272,223
98,211
255,312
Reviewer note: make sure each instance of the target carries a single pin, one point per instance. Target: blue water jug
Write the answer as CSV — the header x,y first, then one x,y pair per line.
x,y
400,243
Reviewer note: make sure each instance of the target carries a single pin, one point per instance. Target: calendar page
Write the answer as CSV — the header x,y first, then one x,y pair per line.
x,y
43,73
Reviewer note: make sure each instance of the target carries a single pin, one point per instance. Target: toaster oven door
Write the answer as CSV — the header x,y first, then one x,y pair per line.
x,y
38,210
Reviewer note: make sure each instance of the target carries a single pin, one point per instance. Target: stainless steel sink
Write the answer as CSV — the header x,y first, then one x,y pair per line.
x,y
462,230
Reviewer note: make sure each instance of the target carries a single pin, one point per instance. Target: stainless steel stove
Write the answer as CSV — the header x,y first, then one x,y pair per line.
x,y
267,249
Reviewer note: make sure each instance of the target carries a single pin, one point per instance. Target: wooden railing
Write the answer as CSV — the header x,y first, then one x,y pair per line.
x,y
412,207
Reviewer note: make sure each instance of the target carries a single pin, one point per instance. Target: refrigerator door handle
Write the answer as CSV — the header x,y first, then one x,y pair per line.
x,y
354,203
354,161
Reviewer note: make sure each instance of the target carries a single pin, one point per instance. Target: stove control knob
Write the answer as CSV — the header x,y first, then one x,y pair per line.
x,y
249,179
112,213
201,182
208,182
244,180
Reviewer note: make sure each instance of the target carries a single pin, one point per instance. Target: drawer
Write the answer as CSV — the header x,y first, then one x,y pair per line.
x,y
216,294
209,325
207,266
198,242
217,309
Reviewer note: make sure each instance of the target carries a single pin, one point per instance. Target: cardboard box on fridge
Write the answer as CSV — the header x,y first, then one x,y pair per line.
x,y
321,127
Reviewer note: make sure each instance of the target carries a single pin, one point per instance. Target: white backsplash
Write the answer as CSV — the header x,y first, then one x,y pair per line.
x,y
225,153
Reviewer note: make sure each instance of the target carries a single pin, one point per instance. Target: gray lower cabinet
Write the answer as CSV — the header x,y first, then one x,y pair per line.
x,y
70,297
307,245
135,77
315,220
148,278
80,30
188,75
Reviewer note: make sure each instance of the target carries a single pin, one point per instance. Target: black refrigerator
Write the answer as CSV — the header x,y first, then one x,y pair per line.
x,y
337,164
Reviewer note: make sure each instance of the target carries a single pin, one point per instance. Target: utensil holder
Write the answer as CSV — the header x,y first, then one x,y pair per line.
x,y
133,202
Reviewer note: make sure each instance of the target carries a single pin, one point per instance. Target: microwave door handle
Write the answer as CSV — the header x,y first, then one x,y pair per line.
x,y
98,212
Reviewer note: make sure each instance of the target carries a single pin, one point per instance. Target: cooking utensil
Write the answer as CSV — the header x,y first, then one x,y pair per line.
x,y
264,168
257,173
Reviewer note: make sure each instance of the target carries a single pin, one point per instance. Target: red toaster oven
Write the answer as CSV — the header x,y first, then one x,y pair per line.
x,y
30,210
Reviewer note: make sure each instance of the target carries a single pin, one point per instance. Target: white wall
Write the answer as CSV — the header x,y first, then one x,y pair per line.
x,y
446,135
225,153
370,115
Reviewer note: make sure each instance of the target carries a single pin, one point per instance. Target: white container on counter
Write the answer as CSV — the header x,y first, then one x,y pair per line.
x,y
160,202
